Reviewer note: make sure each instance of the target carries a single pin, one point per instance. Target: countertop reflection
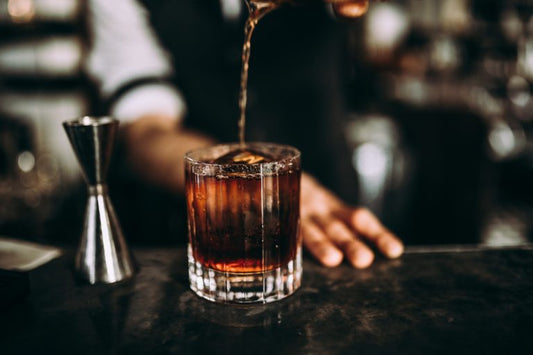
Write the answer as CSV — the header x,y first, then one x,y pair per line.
x,y
465,300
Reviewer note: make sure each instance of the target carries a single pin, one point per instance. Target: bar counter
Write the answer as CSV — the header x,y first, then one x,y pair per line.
x,y
431,301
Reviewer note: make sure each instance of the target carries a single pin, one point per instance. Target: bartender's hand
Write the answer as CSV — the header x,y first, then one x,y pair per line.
x,y
332,230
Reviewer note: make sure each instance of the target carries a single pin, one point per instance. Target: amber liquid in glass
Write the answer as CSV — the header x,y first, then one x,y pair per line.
x,y
244,223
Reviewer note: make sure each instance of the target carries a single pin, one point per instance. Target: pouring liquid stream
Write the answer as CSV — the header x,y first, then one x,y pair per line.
x,y
256,10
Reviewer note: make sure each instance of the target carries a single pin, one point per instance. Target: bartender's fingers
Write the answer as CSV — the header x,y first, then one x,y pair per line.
x,y
368,225
319,245
350,9
357,252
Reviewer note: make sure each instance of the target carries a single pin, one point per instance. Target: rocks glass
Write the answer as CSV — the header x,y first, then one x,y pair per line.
x,y
243,204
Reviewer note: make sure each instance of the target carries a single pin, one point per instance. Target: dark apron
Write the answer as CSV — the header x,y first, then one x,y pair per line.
x,y
295,80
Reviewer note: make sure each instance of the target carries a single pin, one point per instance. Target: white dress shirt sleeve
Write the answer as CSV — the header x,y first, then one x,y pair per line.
x,y
123,49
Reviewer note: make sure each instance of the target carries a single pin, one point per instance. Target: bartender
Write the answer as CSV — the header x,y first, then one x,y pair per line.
x,y
138,59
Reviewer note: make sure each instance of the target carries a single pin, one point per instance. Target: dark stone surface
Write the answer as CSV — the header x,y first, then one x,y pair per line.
x,y
13,286
479,301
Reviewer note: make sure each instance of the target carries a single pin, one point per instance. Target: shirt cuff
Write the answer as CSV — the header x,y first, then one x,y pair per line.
x,y
149,99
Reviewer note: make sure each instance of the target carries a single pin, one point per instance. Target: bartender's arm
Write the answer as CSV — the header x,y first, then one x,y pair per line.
x,y
331,229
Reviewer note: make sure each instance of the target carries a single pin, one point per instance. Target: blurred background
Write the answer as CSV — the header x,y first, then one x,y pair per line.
x,y
434,134
41,84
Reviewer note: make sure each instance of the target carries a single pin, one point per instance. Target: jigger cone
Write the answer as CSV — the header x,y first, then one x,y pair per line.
x,y
103,256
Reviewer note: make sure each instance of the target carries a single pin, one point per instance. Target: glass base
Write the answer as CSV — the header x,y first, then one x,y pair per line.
x,y
260,287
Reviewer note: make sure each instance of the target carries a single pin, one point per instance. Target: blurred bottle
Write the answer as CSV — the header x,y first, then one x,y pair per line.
x,y
382,163
28,181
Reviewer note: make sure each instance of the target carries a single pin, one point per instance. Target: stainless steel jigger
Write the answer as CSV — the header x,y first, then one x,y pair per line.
x,y
103,256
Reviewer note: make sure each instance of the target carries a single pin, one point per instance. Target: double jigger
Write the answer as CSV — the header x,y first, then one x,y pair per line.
x,y
102,256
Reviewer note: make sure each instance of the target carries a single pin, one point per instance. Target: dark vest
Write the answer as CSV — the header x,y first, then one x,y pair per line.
x,y
295,80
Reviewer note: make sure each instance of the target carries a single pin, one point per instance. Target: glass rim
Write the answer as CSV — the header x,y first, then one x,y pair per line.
x,y
294,154
88,121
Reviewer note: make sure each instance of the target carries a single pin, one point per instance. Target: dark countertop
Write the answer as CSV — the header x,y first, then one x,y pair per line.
x,y
430,301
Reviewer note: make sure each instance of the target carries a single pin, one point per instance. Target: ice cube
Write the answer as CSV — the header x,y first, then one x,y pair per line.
x,y
243,156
